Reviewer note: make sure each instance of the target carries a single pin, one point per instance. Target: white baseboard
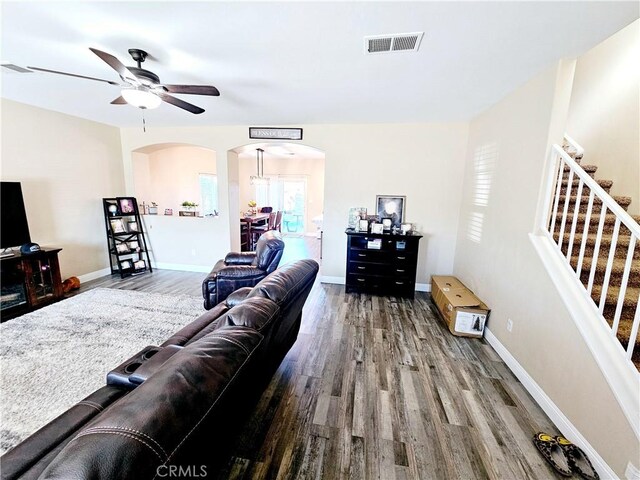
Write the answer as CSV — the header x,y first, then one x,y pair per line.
x,y
551,409
420,287
632,472
87,277
182,267
334,280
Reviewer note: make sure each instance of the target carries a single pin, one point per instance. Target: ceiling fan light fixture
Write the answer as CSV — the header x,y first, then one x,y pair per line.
x,y
141,98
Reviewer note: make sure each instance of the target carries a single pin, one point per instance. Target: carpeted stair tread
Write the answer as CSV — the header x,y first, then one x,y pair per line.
x,y
630,298
572,153
617,270
605,184
605,244
609,222
624,202
587,168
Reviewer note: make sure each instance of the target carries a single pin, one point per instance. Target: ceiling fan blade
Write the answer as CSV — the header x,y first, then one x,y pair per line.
x,y
119,101
73,75
180,103
193,89
116,64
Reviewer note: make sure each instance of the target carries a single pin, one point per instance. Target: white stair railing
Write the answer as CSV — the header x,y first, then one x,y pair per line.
x,y
563,172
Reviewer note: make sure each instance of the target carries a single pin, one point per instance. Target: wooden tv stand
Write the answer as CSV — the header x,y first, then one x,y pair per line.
x,y
29,282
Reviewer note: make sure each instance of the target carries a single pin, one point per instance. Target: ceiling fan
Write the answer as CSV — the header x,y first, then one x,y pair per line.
x,y
142,88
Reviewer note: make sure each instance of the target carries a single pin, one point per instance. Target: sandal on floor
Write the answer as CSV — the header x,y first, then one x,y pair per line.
x,y
551,451
578,460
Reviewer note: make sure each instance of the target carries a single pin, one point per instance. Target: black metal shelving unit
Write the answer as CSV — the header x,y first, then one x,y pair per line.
x,y
126,239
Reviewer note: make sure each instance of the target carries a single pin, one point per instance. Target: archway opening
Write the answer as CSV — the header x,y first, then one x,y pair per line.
x,y
176,186
293,184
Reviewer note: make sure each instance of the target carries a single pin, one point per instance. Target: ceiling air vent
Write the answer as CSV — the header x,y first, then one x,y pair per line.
x,y
398,42
15,68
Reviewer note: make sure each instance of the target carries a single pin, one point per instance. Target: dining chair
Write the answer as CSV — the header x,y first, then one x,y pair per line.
x,y
278,223
259,230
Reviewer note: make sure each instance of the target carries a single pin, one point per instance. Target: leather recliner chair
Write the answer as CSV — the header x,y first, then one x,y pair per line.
x,y
244,269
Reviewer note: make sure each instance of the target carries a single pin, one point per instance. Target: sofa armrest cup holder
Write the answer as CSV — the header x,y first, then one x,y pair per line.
x,y
122,375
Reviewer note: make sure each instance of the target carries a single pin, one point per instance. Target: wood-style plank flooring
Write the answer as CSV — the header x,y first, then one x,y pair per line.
x,y
376,387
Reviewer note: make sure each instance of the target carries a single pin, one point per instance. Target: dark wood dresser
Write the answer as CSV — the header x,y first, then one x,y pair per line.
x,y
29,282
388,270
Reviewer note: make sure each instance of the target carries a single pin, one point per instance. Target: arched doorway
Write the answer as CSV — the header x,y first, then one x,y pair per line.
x,y
165,177
293,184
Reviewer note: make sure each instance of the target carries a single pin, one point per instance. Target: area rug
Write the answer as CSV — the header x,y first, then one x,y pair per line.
x,y
54,357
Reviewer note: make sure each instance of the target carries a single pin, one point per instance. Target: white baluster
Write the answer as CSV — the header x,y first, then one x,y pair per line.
x,y
585,234
575,221
565,210
634,331
596,249
623,285
607,274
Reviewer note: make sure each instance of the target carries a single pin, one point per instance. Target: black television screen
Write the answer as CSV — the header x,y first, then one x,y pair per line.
x,y
14,229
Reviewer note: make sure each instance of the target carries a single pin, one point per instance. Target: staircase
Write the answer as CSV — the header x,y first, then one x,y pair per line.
x,y
600,249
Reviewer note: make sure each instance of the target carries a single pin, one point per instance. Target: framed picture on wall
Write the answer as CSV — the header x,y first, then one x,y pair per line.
x,y
127,205
117,225
392,207
122,248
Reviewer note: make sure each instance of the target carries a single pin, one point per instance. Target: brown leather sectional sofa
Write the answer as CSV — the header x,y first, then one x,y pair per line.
x,y
169,410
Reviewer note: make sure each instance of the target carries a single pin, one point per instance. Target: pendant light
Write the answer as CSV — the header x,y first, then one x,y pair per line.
x,y
259,179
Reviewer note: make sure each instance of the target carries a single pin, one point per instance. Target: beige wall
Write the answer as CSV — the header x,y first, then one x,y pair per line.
x,y
310,168
66,165
496,259
425,162
169,176
604,115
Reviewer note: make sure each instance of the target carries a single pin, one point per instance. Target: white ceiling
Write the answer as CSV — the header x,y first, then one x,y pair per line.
x,y
294,63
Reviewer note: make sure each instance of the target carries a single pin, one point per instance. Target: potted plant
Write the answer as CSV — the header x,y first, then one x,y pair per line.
x,y
153,208
189,205
188,209
252,207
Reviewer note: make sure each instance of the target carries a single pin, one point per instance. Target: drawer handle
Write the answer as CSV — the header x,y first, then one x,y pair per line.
x,y
361,268
360,279
399,271
401,258
399,283
362,254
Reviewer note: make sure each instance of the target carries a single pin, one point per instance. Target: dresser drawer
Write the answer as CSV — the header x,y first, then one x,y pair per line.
x,y
404,258
376,283
366,281
364,268
377,256
402,270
